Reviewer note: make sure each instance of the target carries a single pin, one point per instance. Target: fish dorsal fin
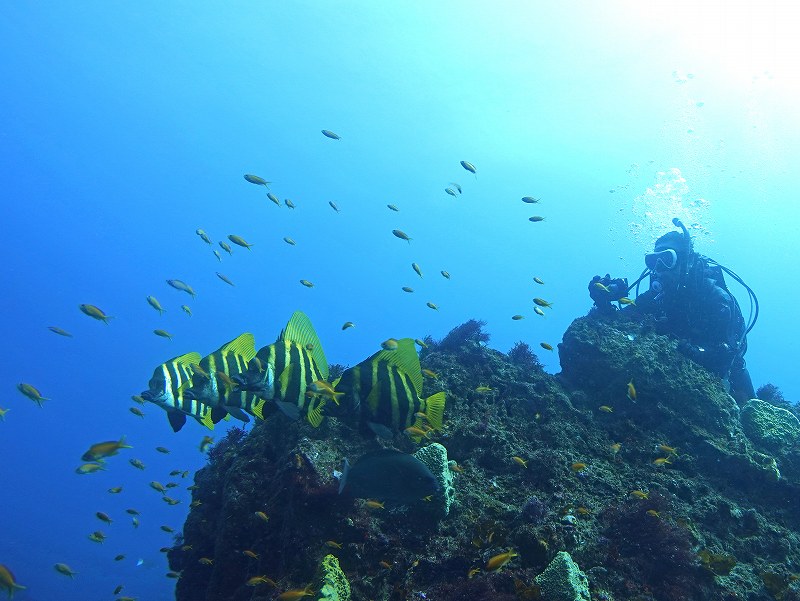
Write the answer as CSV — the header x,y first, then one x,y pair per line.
x,y
243,345
187,359
300,331
405,358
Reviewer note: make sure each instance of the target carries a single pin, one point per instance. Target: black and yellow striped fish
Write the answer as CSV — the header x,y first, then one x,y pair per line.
x,y
385,390
214,385
166,389
283,371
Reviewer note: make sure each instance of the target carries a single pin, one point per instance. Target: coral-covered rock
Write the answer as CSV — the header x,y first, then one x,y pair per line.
x,y
434,456
563,580
773,429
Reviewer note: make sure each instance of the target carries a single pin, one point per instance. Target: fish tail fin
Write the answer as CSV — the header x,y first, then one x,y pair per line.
x,y
343,479
315,415
207,421
122,444
434,408
258,409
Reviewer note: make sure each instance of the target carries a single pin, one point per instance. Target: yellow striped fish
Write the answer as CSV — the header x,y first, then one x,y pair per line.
x,y
283,371
214,383
166,389
386,392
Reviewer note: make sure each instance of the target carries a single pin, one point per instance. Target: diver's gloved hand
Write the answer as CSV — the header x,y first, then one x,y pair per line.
x,y
605,289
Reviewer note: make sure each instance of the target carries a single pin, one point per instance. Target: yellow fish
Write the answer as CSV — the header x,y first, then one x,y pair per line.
x,y
95,313
483,389
7,581
402,235
163,334
546,346
445,274
538,311
605,409
416,268
288,240
521,461
259,181
186,310
31,392
517,317
389,344
226,247
239,241
433,306
273,198
99,451
289,203
538,280
89,468
631,391
59,331
203,236
224,278
297,593
307,284
3,414
542,303
498,561
469,166
329,134
407,289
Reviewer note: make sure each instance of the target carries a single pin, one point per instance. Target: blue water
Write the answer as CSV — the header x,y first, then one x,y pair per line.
x,y
126,126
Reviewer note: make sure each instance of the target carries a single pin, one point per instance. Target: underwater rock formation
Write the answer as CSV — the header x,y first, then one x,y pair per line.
x,y
562,580
658,495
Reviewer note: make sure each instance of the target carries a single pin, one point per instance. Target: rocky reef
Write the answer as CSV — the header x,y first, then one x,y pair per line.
x,y
661,490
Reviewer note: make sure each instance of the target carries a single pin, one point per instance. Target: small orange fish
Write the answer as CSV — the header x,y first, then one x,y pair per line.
x,y
262,516
578,466
546,346
615,447
251,554
256,580
385,565
639,494
668,449
662,461
498,561
606,409
372,504
653,513
631,391
472,572
296,593
521,461
333,544
206,561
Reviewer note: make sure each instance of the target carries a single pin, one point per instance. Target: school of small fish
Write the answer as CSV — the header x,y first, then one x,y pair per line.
x,y
239,381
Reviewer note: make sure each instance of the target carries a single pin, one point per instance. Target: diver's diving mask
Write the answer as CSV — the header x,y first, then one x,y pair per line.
x,y
661,260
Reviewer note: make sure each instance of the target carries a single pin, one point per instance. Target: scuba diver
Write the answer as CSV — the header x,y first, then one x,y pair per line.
x,y
690,301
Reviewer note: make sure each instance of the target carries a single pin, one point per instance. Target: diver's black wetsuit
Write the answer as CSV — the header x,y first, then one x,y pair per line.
x,y
698,310
707,319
